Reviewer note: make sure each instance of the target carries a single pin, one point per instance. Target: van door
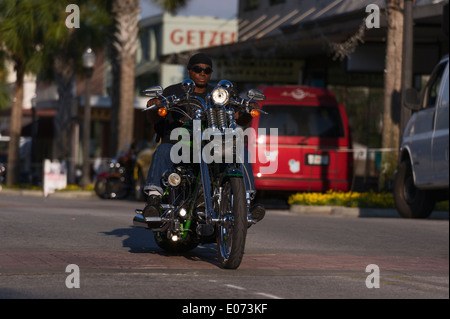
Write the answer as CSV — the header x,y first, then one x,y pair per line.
x,y
422,130
440,147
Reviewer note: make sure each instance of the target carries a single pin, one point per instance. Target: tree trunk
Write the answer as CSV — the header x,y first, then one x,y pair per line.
x,y
392,92
64,69
15,129
126,41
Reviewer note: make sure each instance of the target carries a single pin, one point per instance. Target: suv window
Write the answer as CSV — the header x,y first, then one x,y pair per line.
x,y
432,89
310,121
442,115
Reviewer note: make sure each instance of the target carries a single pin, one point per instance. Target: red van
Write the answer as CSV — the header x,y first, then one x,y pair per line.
x,y
314,143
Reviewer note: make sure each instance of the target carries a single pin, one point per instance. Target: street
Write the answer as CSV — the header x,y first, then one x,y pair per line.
x,y
288,256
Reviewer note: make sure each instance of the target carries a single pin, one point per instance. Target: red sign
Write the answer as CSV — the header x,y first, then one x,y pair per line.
x,y
202,38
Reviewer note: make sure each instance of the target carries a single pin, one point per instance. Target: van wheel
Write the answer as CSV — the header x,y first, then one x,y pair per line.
x,y
410,201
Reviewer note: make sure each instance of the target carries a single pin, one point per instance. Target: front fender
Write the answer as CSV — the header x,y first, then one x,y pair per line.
x,y
231,171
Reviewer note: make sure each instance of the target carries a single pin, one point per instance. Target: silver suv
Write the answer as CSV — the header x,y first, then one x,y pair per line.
x,y
422,176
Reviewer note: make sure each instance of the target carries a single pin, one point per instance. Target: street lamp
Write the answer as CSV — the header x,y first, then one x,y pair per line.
x,y
88,65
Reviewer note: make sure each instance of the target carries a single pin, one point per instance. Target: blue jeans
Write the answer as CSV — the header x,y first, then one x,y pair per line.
x,y
161,162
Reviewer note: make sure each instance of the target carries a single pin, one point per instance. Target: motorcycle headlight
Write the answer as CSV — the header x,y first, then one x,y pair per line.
x,y
174,179
220,96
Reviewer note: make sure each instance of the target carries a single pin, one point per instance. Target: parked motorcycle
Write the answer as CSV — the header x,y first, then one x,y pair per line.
x,y
113,183
2,174
205,201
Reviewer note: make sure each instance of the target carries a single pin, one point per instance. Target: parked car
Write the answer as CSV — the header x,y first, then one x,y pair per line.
x,y
422,176
314,143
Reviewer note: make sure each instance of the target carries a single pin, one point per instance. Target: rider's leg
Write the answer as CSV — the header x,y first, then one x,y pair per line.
x,y
257,211
153,187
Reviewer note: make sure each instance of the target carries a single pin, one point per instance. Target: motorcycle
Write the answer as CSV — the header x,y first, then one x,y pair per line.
x,y
114,183
205,201
2,174
125,174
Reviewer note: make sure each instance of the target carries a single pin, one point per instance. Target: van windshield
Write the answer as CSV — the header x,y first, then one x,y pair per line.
x,y
309,121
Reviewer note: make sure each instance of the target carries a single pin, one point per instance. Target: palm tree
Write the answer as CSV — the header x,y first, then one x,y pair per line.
x,y
19,39
4,94
63,48
171,5
36,39
122,53
392,90
124,46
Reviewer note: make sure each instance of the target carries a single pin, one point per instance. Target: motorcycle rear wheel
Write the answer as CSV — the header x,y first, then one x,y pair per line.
x,y
116,188
232,227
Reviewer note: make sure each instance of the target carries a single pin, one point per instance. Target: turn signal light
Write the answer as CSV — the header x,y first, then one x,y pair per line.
x,y
254,113
162,112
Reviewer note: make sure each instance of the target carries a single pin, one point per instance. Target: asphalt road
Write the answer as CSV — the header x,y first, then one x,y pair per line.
x,y
288,256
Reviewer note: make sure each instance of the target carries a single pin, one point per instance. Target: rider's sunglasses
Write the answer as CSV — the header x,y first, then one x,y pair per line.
x,y
199,70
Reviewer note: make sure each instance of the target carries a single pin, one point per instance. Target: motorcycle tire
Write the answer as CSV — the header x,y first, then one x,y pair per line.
x,y
232,227
177,247
100,188
410,201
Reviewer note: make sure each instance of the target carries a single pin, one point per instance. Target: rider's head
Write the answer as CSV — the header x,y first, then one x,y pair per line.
x,y
200,69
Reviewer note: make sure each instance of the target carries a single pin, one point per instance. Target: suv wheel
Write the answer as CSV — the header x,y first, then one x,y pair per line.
x,y
410,201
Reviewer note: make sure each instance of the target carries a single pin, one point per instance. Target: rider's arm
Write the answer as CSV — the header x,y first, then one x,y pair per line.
x,y
243,118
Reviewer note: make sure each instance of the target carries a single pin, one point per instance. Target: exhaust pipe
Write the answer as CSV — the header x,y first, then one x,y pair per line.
x,y
153,223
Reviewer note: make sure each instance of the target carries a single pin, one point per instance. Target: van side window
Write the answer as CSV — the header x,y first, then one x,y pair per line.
x,y
442,112
432,89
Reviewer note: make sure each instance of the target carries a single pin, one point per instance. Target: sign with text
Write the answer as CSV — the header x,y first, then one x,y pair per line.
x,y
55,176
192,33
259,70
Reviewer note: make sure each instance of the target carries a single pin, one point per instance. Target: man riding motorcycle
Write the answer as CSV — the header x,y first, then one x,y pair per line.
x,y
199,70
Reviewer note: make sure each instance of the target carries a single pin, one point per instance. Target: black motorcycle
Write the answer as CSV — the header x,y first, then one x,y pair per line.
x,y
205,199
2,174
113,183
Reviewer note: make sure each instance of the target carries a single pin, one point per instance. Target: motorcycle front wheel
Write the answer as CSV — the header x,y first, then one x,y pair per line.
x,y
232,225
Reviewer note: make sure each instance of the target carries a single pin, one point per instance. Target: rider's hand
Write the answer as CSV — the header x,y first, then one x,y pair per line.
x,y
153,102
152,116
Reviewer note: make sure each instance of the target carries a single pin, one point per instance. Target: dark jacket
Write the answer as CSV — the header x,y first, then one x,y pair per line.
x,y
172,120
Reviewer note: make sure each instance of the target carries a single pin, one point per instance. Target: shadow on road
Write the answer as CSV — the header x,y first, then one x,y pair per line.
x,y
141,241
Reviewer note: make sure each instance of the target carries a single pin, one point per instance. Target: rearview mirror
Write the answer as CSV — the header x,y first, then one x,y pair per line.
x,y
188,86
255,95
411,99
153,91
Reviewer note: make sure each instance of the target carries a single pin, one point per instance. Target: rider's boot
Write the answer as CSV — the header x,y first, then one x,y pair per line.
x,y
257,212
153,205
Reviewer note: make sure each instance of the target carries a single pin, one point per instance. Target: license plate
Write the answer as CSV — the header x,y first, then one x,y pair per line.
x,y
317,159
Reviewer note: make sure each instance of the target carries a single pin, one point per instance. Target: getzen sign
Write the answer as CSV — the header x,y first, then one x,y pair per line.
x,y
201,38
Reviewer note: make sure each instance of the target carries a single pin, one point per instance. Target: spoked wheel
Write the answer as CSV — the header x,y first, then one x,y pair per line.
x,y
232,225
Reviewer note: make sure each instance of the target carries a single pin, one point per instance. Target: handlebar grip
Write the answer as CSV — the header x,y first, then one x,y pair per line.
x,y
151,108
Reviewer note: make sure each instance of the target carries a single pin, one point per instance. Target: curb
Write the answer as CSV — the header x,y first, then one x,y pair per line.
x,y
39,193
354,212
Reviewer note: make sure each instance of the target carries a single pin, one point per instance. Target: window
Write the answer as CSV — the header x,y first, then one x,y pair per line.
x,y
251,5
310,121
432,89
442,112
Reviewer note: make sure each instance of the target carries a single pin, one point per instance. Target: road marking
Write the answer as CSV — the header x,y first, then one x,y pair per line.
x,y
234,287
267,295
